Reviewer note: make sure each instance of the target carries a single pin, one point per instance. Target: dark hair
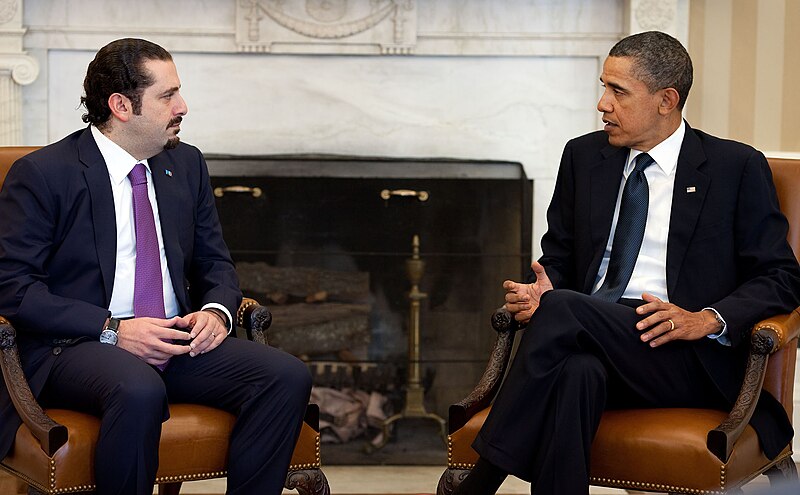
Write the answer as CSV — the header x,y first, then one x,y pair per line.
x,y
659,61
118,68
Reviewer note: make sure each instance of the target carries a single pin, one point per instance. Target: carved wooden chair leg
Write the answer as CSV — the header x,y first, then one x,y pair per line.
x,y
785,470
169,488
308,482
450,479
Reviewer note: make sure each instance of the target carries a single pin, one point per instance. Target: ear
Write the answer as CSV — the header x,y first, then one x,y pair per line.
x,y
669,101
120,106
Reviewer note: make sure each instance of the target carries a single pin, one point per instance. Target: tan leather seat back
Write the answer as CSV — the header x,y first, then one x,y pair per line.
x,y
10,154
781,368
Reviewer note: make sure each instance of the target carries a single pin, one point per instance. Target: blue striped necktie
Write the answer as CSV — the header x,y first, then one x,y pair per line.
x,y
629,232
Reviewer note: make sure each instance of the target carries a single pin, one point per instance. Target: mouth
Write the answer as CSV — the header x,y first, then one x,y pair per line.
x,y
175,123
609,125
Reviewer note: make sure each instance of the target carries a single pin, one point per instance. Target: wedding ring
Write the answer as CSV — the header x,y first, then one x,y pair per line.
x,y
671,324
214,336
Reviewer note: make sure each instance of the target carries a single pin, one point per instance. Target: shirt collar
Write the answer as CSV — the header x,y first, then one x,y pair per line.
x,y
664,153
118,161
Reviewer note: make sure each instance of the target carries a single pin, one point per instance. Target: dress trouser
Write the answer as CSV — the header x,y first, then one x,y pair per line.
x,y
577,357
265,388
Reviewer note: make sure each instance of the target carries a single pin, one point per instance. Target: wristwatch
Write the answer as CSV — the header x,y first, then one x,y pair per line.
x,y
109,333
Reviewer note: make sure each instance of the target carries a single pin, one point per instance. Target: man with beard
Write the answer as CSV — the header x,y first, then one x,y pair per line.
x,y
111,252
664,246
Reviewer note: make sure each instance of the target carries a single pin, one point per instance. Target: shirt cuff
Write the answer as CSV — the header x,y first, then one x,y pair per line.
x,y
721,336
224,310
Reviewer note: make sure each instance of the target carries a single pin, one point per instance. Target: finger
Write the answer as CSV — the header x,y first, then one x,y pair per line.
x,y
184,322
647,297
169,349
209,343
172,334
517,298
658,334
537,268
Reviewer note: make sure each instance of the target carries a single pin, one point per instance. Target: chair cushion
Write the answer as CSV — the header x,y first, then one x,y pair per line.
x,y
194,445
652,449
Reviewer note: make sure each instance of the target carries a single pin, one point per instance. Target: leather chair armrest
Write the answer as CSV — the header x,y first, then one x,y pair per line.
x,y
51,435
484,392
255,319
767,337
775,333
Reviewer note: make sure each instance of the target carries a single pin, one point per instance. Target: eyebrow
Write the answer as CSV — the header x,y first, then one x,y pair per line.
x,y
613,85
173,89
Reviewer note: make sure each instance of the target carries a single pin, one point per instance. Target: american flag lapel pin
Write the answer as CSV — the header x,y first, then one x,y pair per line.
x,y
168,172
689,189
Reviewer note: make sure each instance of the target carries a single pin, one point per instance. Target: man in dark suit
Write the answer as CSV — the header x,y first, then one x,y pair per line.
x,y
664,246
76,219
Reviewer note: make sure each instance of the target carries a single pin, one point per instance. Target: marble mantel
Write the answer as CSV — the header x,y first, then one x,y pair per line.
x,y
507,80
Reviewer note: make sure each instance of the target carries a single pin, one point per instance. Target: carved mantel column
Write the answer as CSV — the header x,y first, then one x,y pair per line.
x,y
16,70
669,16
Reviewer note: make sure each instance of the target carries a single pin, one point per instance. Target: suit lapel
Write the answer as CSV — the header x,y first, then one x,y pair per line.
x,y
604,189
691,186
103,219
166,185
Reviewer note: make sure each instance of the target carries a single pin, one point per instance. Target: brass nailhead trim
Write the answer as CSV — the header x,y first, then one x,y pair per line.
x,y
246,303
310,465
191,477
778,331
648,486
450,463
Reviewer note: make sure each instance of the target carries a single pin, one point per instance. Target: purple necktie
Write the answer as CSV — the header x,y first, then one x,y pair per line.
x,y
148,291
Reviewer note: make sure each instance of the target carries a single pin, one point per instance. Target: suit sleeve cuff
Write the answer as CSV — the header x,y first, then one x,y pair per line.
x,y
721,336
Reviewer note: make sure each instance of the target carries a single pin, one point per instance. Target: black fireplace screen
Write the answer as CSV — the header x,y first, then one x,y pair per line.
x,y
323,241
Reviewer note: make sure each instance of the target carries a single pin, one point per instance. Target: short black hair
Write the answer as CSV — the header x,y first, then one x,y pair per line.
x,y
118,67
659,60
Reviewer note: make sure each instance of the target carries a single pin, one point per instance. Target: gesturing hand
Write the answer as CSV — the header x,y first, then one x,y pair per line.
x,y
523,299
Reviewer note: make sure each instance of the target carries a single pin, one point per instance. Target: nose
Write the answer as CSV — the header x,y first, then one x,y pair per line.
x,y
181,108
603,104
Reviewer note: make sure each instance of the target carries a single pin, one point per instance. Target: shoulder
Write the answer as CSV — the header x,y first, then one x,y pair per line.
x,y
717,147
56,160
589,149
596,140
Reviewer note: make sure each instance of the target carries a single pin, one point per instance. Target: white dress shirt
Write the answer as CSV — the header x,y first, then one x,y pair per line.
x,y
650,272
119,163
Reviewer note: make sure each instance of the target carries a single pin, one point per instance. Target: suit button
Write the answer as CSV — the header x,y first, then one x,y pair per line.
x,y
56,351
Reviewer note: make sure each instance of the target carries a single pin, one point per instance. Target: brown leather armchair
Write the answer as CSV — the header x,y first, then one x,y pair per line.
x,y
667,450
54,448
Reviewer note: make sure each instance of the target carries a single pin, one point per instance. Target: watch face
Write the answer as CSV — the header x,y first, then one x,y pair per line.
x,y
108,337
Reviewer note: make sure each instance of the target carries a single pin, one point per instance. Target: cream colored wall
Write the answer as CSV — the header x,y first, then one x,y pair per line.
x,y
747,71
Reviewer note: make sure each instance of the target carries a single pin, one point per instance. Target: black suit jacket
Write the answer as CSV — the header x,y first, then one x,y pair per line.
x,y
58,248
726,248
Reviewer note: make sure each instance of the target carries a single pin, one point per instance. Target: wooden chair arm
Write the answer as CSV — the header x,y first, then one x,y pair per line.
x,y
51,435
255,319
482,395
767,337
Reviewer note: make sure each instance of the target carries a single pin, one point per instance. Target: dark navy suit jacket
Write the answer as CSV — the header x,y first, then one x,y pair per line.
x,y
726,248
58,249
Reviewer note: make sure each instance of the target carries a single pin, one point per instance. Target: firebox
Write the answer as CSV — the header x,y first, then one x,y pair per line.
x,y
323,241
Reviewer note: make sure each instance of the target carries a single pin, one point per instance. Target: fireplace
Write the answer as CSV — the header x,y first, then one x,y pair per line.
x,y
324,240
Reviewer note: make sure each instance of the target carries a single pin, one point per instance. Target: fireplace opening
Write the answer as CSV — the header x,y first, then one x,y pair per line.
x,y
324,242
